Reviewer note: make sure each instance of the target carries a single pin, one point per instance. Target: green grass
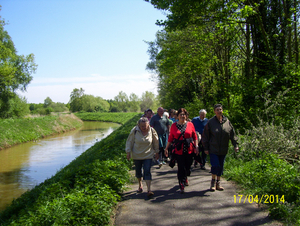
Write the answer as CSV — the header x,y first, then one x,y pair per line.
x,y
267,176
15,131
118,117
82,193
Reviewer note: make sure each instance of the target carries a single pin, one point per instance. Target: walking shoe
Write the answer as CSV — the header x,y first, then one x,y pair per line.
x,y
150,193
202,167
140,190
181,186
159,164
213,185
164,163
186,182
219,187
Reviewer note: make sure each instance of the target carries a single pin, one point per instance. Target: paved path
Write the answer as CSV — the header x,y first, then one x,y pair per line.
x,y
197,206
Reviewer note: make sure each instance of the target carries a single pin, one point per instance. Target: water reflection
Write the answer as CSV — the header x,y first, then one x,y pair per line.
x,y
26,165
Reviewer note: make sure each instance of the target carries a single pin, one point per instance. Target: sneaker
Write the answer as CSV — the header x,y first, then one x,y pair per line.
x,y
160,165
181,186
202,167
140,190
186,182
219,187
164,163
212,185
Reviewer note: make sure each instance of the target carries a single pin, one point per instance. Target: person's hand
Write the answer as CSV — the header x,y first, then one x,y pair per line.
x,y
156,156
128,156
197,150
206,152
236,149
166,152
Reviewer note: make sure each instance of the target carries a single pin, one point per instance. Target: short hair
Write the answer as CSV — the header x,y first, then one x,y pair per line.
x,y
149,110
217,106
182,110
203,110
143,119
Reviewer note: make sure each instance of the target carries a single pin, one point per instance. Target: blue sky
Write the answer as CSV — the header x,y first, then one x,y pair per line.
x,y
97,45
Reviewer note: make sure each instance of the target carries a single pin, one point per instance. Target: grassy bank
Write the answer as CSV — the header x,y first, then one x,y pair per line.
x,y
118,117
15,131
83,192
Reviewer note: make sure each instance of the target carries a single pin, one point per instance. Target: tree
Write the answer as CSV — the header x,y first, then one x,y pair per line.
x,y
227,51
148,100
134,103
15,70
47,102
75,100
121,100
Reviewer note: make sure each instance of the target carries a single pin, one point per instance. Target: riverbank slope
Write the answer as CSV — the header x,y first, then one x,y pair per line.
x,y
16,131
84,192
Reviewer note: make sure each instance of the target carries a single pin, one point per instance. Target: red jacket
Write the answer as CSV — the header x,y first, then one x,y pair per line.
x,y
189,133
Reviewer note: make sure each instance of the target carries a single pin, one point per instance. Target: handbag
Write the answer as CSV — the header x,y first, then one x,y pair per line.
x,y
171,150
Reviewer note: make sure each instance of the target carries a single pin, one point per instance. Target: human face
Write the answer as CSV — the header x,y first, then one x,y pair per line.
x,y
202,115
144,126
218,111
160,112
182,117
149,114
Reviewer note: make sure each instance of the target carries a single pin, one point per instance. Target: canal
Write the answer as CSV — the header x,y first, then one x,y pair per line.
x,y
26,165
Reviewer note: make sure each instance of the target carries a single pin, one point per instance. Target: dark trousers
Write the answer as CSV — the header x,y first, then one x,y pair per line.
x,y
184,163
203,155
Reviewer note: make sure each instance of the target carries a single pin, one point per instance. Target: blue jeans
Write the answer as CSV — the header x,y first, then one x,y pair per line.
x,y
146,164
217,164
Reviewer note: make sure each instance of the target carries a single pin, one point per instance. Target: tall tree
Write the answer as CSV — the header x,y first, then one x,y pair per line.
x,y
15,70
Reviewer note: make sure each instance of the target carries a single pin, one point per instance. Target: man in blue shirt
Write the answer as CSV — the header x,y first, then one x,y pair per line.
x,y
199,123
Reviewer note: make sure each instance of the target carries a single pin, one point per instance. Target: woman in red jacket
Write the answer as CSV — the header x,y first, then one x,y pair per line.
x,y
183,135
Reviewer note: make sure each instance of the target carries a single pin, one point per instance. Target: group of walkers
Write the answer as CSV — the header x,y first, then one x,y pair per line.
x,y
174,138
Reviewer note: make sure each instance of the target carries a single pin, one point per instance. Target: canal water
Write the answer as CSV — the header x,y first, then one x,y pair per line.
x,y
26,165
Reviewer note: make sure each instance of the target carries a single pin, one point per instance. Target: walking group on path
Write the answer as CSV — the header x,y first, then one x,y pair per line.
x,y
180,141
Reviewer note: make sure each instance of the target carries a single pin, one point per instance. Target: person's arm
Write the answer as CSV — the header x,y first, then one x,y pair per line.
x,y
130,143
155,143
167,148
233,138
205,139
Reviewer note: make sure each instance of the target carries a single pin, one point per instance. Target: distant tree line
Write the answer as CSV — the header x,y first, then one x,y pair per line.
x,y
121,103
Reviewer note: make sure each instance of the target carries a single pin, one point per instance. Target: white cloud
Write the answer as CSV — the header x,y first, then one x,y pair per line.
x,y
59,89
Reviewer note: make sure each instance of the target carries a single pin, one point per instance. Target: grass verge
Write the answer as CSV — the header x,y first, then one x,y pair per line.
x,y
83,192
268,181
15,131
117,117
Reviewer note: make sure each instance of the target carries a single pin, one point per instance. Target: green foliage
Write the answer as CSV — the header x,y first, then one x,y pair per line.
x,y
268,164
88,103
16,107
269,175
233,54
82,193
15,71
15,131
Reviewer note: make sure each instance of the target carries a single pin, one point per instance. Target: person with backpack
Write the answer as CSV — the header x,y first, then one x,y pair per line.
x,y
184,139
142,143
